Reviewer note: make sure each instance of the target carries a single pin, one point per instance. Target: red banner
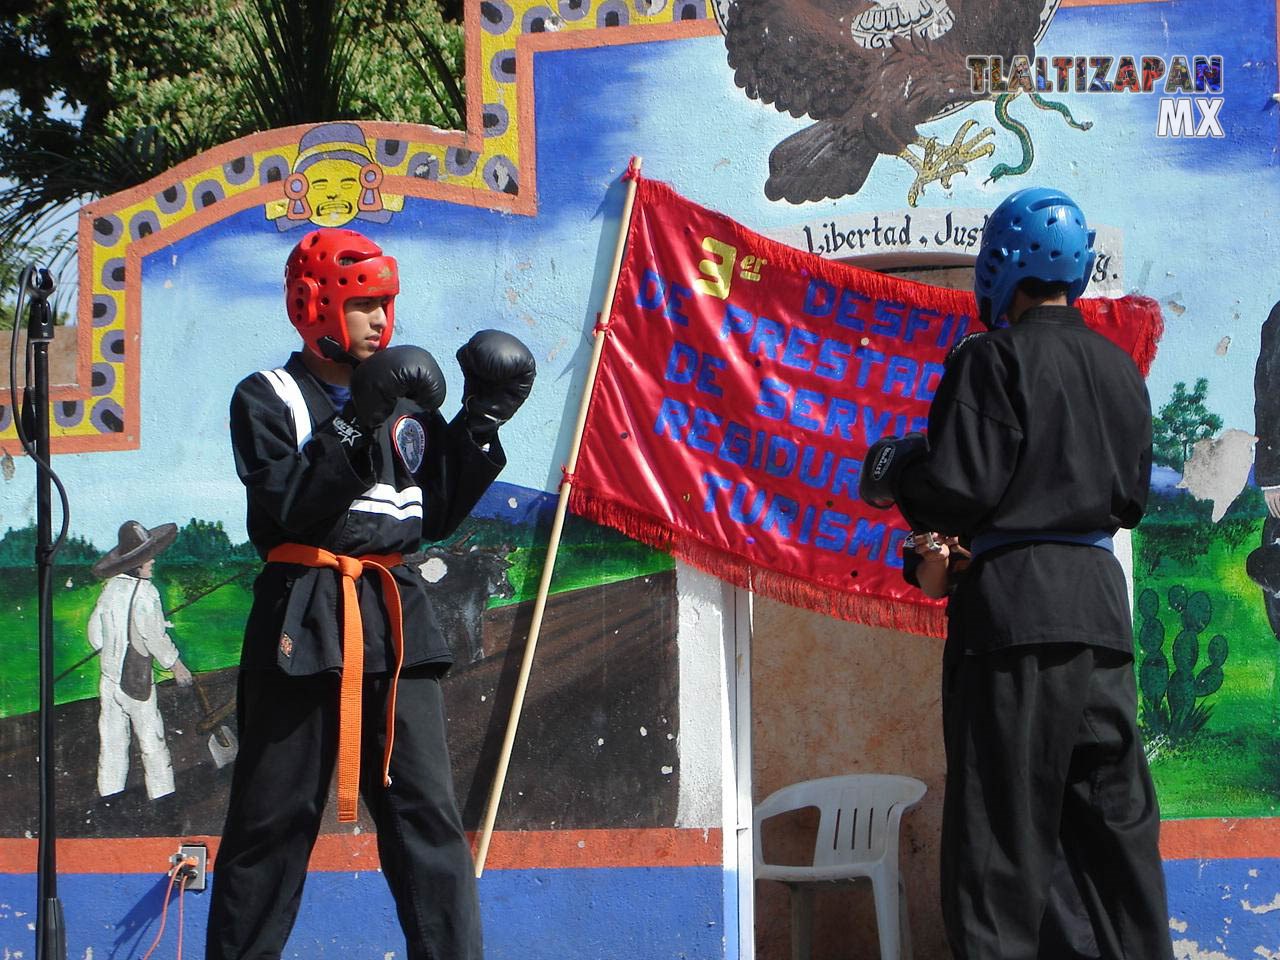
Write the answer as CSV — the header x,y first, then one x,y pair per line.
x,y
740,385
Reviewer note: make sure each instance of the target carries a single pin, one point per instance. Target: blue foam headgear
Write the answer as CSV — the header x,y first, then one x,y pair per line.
x,y
1035,233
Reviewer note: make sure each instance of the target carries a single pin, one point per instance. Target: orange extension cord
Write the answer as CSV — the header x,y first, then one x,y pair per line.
x,y
177,869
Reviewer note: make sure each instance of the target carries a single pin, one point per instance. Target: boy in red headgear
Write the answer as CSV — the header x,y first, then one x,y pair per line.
x,y
348,465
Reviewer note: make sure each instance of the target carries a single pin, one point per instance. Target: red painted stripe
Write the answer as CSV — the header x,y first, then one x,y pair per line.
x,y
1212,839
1220,839
523,850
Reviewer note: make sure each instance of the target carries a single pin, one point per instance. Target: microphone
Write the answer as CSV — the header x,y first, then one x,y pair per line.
x,y
39,283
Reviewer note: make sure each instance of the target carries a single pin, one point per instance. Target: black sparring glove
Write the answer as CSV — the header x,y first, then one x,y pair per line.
x,y
408,372
887,458
498,372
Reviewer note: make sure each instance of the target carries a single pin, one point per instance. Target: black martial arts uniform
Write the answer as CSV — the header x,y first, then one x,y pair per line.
x,y
1264,562
305,485
1038,431
1066,932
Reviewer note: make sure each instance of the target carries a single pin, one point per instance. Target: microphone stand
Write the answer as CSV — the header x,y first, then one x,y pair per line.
x,y
50,929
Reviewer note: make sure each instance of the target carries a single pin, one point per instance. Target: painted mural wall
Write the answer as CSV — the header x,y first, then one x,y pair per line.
x,y
1144,165
858,129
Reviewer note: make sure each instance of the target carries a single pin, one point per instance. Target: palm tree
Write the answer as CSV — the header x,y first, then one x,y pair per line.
x,y
270,63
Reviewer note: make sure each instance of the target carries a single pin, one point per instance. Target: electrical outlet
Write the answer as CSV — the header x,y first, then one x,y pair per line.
x,y
195,874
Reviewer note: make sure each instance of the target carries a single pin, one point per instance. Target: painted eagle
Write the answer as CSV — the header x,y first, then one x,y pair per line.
x,y
867,72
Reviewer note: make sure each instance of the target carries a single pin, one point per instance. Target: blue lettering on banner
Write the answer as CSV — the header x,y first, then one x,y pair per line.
x,y
929,380
893,553
682,363
826,528
736,320
902,371
831,530
868,536
855,310
702,420
833,359
686,363
866,356
797,341
918,320
782,516
773,402
807,475
782,513
819,298
859,312
707,374
678,295
805,401
809,422
780,466
846,478
652,291
767,338
714,484
737,513
736,447
889,318
841,416
672,415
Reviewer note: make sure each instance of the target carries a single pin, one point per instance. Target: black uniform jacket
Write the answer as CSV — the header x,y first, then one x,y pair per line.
x,y
1266,404
305,485
1041,426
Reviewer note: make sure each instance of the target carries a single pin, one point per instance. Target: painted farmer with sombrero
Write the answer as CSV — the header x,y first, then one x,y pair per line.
x,y
128,626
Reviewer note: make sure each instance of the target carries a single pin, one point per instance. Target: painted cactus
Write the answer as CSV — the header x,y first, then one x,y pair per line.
x,y
1169,699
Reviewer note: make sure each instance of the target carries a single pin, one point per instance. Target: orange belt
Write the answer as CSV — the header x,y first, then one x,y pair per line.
x,y
350,699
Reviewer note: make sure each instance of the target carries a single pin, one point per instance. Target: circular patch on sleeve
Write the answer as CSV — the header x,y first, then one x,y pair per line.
x,y
411,442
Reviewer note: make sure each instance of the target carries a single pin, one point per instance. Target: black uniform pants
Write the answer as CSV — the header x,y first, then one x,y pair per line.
x,y
288,745
1044,764
1270,534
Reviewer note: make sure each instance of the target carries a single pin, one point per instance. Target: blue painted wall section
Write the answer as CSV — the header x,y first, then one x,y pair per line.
x,y
646,913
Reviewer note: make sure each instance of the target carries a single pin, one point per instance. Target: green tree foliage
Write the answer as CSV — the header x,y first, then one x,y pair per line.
x,y
18,549
1177,526
200,541
99,95
202,559
1181,422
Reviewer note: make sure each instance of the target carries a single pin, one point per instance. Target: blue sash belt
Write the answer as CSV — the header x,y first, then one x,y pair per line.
x,y
985,542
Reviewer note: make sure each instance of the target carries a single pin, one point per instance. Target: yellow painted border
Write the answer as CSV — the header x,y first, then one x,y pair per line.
x,y
119,247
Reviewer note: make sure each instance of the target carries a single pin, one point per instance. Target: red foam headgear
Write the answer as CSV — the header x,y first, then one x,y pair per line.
x,y
327,268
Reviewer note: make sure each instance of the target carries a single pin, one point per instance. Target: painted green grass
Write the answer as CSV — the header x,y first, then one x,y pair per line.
x,y
582,565
208,633
1232,767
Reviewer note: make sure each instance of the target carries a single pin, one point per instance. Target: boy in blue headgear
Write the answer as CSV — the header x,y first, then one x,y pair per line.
x,y
1039,449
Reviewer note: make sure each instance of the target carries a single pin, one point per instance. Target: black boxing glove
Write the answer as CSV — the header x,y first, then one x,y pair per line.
x,y
498,372
390,374
887,458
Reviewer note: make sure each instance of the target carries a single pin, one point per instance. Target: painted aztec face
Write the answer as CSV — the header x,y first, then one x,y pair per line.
x,y
887,19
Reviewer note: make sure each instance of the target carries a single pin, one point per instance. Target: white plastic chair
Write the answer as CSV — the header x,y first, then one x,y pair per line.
x,y
859,815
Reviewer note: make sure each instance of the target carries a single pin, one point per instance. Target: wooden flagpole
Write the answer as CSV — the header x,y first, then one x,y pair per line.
x,y
566,485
